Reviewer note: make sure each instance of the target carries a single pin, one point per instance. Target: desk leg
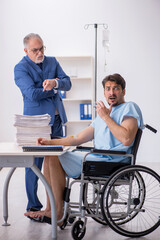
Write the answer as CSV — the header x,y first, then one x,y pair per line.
x,y
5,197
51,198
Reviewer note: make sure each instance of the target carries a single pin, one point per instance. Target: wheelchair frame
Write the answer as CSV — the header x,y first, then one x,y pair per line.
x,y
118,196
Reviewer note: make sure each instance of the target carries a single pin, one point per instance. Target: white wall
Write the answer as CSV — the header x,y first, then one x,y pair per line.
x,y
134,50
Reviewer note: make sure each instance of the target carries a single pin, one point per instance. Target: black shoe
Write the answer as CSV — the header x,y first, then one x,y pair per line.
x,y
32,209
42,219
35,219
46,219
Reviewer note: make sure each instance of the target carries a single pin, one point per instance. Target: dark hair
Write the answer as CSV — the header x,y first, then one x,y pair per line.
x,y
115,78
29,36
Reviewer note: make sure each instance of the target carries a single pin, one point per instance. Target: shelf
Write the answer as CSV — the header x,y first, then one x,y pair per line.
x,y
77,58
78,100
79,121
81,78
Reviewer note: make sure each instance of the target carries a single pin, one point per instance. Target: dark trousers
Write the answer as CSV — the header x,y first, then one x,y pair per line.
x,y
31,180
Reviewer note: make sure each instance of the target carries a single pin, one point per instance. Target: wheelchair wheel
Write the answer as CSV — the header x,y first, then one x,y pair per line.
x,y
78,231
130,201
91,200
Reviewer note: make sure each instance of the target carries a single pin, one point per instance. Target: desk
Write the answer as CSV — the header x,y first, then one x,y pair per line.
x,y
13,156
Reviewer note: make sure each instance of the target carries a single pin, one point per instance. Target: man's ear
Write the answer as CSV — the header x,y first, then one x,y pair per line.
x,y
26,51
124,92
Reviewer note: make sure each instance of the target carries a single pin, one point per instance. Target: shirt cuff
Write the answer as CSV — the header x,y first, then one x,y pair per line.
x,y
55,90
56,84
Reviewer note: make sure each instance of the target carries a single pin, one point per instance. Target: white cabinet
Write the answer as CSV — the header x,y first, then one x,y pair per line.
x,y
80,70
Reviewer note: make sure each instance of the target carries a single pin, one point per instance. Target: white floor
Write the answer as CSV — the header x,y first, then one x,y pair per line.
x,y
22,228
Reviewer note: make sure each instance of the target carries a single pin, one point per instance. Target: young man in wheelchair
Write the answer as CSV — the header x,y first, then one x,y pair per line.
x,y
114,128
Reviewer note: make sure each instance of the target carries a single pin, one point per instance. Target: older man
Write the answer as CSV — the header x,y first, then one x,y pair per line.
x,y
39,78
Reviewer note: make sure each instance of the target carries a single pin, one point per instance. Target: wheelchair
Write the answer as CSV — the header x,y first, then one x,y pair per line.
x,y
124,196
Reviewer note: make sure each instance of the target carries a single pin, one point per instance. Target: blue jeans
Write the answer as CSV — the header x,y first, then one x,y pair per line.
x,y
31,180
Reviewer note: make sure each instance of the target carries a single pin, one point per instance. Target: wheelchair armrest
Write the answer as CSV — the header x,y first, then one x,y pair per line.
x,y
98,151
107,152
83,148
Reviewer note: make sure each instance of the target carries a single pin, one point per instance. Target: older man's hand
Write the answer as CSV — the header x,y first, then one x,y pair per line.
x,y
49,84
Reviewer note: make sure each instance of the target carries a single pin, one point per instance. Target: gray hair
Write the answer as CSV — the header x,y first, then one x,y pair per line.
x,y
28,37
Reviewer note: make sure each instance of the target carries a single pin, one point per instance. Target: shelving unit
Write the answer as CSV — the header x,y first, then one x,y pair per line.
x,y
80,70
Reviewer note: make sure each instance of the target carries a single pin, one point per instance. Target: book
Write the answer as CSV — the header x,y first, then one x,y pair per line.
x,y
64,129
85,111
42,148
82,111
89,111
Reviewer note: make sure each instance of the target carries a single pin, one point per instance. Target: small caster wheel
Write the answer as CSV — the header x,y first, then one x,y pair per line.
x,y
77,232
71,220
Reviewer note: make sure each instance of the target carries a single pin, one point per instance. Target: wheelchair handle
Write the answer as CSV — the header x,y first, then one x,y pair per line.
x,y
151,128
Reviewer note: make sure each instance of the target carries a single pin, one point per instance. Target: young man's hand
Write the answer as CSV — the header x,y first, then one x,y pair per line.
x,y
43,141
102,110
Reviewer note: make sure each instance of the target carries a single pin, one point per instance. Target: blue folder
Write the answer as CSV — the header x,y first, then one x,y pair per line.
x,y
85,111
42,148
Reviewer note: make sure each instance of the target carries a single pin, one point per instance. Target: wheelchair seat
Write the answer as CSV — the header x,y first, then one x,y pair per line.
x,y
99,169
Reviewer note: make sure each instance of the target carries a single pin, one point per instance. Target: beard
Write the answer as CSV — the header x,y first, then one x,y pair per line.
x,y
114,104
113,101
37,60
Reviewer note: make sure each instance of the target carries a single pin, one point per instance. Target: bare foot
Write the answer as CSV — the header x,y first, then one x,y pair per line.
x,y
38,214
44,213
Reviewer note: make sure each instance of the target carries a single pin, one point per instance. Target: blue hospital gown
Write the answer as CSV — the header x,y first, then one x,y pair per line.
x,y
104,139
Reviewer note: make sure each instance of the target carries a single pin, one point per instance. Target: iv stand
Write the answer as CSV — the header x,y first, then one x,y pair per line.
x,y
105,26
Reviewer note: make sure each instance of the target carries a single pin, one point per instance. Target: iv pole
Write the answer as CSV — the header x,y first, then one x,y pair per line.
x,y
105,26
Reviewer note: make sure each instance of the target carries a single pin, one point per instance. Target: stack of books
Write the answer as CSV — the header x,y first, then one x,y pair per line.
x,y
29,128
